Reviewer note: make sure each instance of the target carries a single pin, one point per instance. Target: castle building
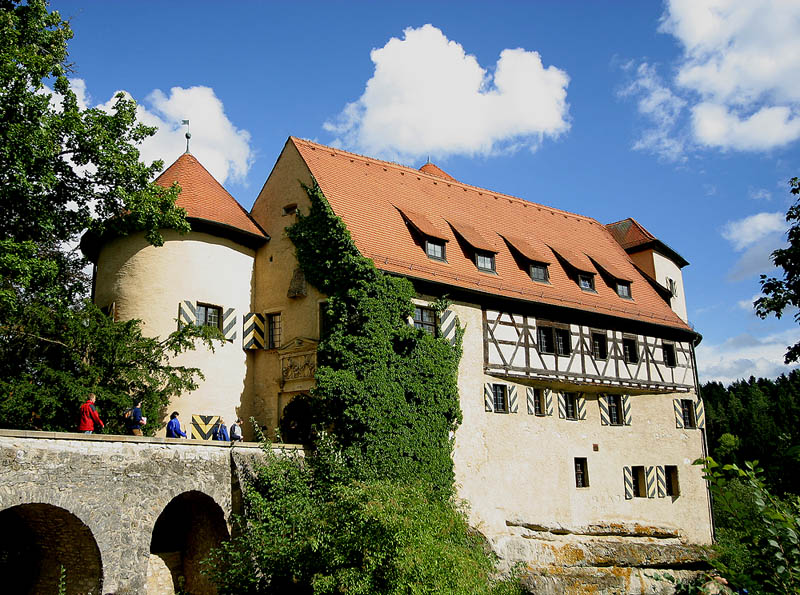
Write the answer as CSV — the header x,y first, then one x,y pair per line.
x,y
578,383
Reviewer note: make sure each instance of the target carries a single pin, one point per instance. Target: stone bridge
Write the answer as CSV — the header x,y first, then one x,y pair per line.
x,y
119,514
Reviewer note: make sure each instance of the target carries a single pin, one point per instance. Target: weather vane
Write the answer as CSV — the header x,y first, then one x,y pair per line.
x,y
188,134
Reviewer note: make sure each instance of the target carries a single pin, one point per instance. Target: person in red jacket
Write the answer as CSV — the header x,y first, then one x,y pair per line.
x,y
89,416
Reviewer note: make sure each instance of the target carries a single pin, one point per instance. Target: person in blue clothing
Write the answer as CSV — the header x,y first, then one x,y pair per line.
x,y
221,431
134,420
174,427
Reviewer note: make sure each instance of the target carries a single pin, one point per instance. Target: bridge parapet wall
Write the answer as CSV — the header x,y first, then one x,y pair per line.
x,y
117,486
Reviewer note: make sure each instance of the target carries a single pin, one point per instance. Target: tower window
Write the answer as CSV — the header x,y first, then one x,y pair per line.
x,y
273,330
614,410
629,351
688,414
208,315
671,480
500,394
425,319
571,406
599,346
581,473
538,402
669,354
639,485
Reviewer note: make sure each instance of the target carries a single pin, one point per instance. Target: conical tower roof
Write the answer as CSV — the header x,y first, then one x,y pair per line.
x,y
204,198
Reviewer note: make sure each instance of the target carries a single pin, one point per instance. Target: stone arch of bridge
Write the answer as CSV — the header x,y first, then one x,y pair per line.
x,y
189,526
43,546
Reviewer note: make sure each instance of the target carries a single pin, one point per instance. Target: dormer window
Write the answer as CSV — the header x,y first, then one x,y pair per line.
x,y
435,249
539,272
624,289
586,281
484,261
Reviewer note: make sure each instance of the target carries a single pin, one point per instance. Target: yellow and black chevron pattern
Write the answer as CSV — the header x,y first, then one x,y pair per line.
x,y
229,324
187,313
203,426
253,331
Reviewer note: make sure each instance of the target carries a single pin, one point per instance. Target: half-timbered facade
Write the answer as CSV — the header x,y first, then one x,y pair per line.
x,y
578,381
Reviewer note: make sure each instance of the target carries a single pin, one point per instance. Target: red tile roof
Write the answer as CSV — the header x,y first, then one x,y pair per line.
x,y
430,168
632,236
369,196
205,198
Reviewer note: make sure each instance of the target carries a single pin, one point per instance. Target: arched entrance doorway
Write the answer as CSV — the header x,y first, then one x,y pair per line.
x,y
185,532
42,546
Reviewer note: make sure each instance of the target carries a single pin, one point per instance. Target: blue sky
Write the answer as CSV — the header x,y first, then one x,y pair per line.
x,y
684,115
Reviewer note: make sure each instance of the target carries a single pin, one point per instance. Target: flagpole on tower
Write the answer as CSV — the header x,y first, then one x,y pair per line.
x,y
188,134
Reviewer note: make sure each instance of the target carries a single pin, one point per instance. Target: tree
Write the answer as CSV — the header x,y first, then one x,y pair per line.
x,y
65,170
780,294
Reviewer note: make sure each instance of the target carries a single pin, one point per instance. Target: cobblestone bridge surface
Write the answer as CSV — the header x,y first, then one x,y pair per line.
x,y
117,514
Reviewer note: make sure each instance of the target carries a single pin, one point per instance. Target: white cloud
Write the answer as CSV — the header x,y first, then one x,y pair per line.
x,y
428,96
222,148
759,194
743,356
657,103
756,236
742,59
747,305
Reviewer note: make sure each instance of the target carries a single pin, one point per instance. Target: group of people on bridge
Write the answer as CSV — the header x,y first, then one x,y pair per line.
x,y
89,420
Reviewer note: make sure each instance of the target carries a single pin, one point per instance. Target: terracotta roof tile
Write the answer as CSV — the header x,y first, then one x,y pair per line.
x,y
367,193
531,249
472,236
205,198
629,233
422,225
430,168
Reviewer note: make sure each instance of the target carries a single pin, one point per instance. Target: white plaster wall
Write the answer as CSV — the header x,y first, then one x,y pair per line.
x,y
520,467
665,268
148,282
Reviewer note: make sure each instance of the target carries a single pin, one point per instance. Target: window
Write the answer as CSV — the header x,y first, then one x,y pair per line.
x,y
671,480
687,412
571,405
639,485
669,354
672,286
554,340
434,249
273,330
209,316
290,209
599,346
581,474
624,289
538,402
500,394
614,410
484,261
539,272
563,345
425,319
629,351
545,336
586,282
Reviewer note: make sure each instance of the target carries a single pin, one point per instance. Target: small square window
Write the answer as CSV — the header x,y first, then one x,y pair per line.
x,y
538,402
545,337
671,480
614,410
209,316
290,209
599,346
624,289
630,351
539,272
434,249
425,319
500,394
563,345
586,282
484,261
669,354
571,406
581,473
273,330
688,414
639,484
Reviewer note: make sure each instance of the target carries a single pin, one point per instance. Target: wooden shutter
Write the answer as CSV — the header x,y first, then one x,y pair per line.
x,y
187,313
627,479
661,481
700,413
650,481
580,403
488,397
203,426
530,394
253,329
548,402
605,419
229,324
448,323
513,406
562,406
676,404
626,409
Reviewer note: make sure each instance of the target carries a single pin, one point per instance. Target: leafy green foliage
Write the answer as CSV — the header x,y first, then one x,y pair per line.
x,y
386,391
760,535
300,535
64,170
783,293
